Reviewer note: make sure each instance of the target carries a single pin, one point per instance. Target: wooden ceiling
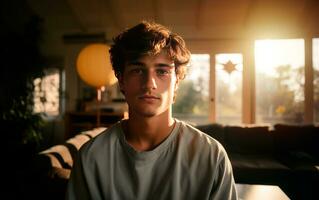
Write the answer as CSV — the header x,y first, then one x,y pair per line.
x,y
193,19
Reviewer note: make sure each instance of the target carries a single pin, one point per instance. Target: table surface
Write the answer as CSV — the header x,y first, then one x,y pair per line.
x,y
260,192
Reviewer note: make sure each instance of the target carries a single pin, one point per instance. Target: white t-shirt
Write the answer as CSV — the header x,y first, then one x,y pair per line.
x,y
188,164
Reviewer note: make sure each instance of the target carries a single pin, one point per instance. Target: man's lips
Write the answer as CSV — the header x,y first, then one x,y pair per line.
x,y
148,97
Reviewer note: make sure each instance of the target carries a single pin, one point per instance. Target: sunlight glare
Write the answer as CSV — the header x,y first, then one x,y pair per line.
x,y
269,54
315,53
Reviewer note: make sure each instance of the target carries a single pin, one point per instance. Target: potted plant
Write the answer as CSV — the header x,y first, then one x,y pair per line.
x,y
21,63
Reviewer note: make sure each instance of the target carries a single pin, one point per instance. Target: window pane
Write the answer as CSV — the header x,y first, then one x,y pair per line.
x,y
192,102
46,93
229,68
279,81
315,56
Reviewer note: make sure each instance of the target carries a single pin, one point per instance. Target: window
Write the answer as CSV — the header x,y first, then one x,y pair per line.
x,y
229,68
280,81
272,88
192,102
315,60
46,93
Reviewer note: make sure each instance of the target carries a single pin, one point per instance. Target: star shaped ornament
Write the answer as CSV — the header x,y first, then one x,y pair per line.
x,y
229,67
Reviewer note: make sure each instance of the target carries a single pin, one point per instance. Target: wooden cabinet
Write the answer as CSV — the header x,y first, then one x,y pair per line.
x,y
75,122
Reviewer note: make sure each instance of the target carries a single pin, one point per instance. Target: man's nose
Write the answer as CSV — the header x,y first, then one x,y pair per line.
x,y
150,80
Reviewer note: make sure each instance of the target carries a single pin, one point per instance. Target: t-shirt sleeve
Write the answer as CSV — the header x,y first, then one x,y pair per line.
x,y
224,187
77,185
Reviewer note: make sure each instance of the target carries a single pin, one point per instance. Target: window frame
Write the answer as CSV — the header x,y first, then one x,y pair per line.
x,y
249,82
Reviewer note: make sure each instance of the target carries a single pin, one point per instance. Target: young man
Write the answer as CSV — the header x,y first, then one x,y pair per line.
x,y
151,155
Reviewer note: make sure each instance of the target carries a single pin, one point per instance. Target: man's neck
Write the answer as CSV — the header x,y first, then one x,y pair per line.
x,y
145,133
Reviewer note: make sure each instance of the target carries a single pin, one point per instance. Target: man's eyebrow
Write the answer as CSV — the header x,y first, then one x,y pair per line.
x,y
135,63
165,65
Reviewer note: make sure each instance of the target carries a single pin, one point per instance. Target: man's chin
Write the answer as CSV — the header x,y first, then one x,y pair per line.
x,y
148,114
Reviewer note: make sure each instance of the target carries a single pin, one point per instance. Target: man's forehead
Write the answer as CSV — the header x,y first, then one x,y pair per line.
x,y
160,58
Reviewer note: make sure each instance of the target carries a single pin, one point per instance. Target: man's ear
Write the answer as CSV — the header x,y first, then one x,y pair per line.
x,y
175,89
120,82
176,84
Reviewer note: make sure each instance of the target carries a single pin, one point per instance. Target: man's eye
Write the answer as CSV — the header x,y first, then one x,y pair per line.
x,y
137,71
162,72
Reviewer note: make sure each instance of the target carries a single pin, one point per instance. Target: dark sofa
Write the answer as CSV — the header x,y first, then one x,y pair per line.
x,y
283,155
48,175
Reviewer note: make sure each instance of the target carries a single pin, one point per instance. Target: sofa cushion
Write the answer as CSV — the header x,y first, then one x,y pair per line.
x,y
293,137
62,156
297,138
248,140
60,173
52,167
266,162
261,169
313,147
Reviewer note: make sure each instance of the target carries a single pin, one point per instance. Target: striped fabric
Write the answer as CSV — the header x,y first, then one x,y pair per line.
x,y
62,156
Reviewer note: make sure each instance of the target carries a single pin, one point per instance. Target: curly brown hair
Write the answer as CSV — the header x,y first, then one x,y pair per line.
x,y
148,38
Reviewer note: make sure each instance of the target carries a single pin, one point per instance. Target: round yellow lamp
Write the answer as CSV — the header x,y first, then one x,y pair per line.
x,y
94,65
94,68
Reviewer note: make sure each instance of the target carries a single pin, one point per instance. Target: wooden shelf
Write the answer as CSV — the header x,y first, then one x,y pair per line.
x,y
76,122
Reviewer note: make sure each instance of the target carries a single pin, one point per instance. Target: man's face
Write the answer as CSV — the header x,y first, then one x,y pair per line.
x,y
149,84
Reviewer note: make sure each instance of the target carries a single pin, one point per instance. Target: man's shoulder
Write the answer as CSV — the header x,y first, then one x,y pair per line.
x,y
199,138
190,130
106,138
201,147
